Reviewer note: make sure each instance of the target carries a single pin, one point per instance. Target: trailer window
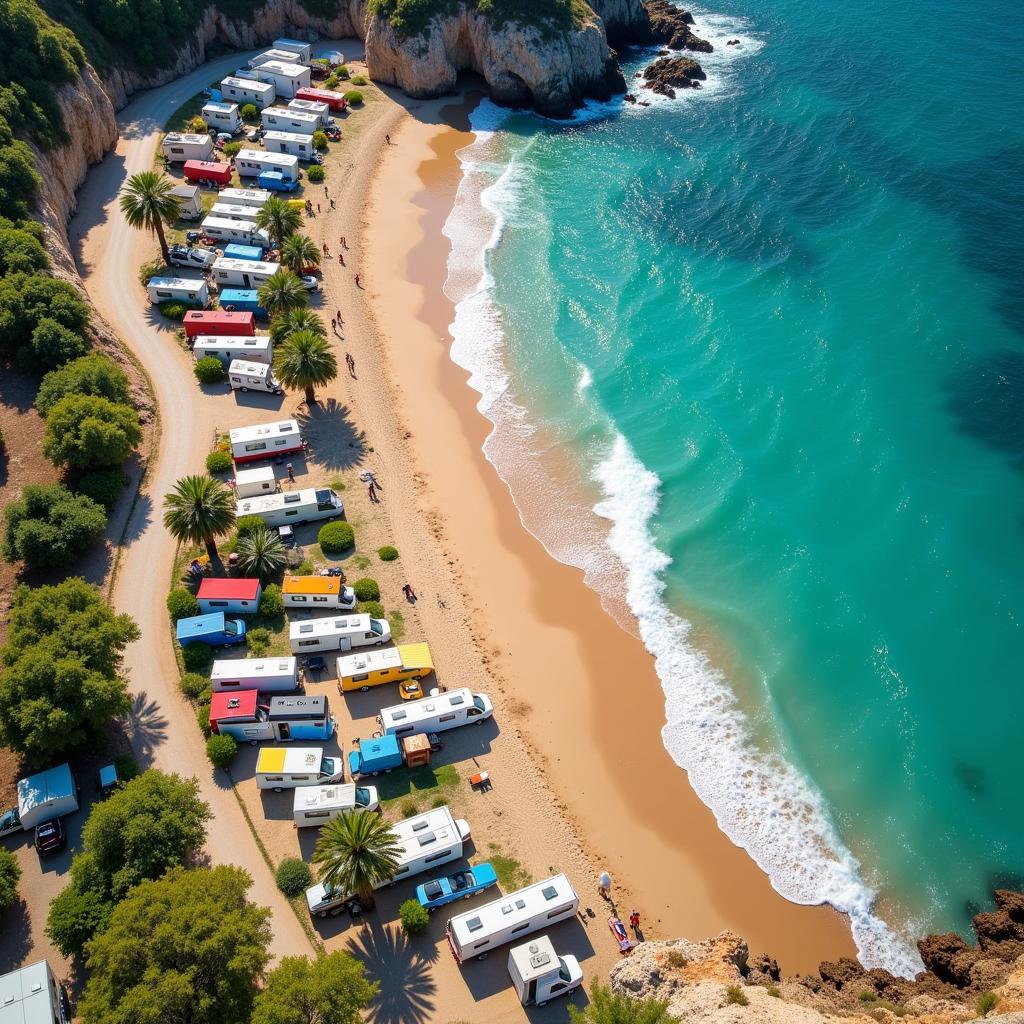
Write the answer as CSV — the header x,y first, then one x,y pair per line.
x,y
474,924
297,599
359,678
256,446
316,814
447,718
309,643
273,778
217,604
320,600
560,910
436,856
520,927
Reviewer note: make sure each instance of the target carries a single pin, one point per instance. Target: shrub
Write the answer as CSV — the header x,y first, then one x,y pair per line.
x,y
336,537
93,374
88,431
203,720
293,877
192,684
232,149
182,604
735,996
867,996
29,300
320,140
218,462
676,958
353,97
374,608
259,641
387,553
774,991
359,80
272,603
10,872
20,250
249,524
50,526
304,568
986,1002
439,801
221,750
52,345
366,589
409,807
103,485
332,82
174,310
197,657
209,370
341,71
249,112
316,173
197,126
152,268
414,918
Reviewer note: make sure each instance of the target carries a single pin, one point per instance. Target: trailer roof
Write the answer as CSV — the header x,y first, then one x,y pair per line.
x,y
228,295
427,707
44,786
260,503
233,704
221,108
313,798
302,706
289,759
188,137
410,656
250,476
282,67
485,920
425,833
311,585
246,83
213,166
215,316
261,156
227,667
212,589
276,136
193,283
246,266
318,627
26,995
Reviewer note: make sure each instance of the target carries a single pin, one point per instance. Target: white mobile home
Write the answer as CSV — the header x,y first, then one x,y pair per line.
x,y
222,117
340,633
289,508
264,441
281,768
181,146
242,273
315,592
301,53
254,197
233,211
227,348
285,119
274,56
315,805
243,376
289,142
321,111
244,231
189,201
246,90
287,78
436,714
268,675
539,974
511,917
29,995
178,289
261,480
251,163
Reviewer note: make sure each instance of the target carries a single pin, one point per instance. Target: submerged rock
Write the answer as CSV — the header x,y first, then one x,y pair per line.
x,y
667,74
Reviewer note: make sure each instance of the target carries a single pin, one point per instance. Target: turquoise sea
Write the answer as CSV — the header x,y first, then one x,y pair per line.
x,y
777,329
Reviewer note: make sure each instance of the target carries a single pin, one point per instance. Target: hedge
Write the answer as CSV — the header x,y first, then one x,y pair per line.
x,y
366,589
219,462
182,604
193,685
197,657
335,538
221,750
209,370
293,877
271,602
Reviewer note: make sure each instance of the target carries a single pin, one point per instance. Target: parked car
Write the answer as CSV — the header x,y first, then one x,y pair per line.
x,y
310,283
192,256
10,822
460,886
411,690
50,837
107,781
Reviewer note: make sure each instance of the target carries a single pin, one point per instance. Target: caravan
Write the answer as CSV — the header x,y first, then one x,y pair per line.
x,y
245,90
313,592
340,633
284,119
265,441
208,172
319,110
222,117
281,768
200,324
254,197
315,805
243,376
178,289
250,482
228,348
436,714
247,299
243,273
241,715
299,52
278,56
268,675
232,211
295,143
181,146
229,594
190,204
375,668
537,906
287,77
289,508
246,231
251,163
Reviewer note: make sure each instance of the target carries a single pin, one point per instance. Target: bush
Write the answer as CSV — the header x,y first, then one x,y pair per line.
x,y
316,174
50,526
20,250
203,720
249,524
52,345
88,431
10,872
77,914
335,538
366,589
192,684
415,918
197,126
304,568
93,374
774,991
272,603
409,807
332,82
221,750
735,996
986,1002
182,604
103,485
232,149
676,958
197,657
293,877
218,462
374,608
249,112
28,301
153,268
320,140
341,71
209,370
359,80
353,97
258,641
387,553
174,310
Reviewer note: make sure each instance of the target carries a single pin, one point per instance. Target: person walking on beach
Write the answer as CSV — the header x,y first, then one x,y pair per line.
x,y
387,139
372,491
334,326
317,207
634,920
341,257
410,594
344,244
333,207
340,321
351,364
324,247
358,285
326,193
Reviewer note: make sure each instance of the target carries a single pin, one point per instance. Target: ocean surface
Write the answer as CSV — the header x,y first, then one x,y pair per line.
x,y
755,360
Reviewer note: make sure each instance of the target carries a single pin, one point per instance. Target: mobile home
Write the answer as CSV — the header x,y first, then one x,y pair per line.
x,y
373,756
243,273
243,376
260,480
318,109
205,324
436,714
178,289
424,841
315,805
285,119
46,795
539,974
289,142
374,668
254,197
181,146
251,163
337,633
317,592
244,231
229,595
246,90
232,211
227,349
213,172
281,768
242,299
241,715
267,675
190,204
276,181
520,913
29,995
222,117
237,251
289,508
335,100
265,441
271,56
286,77
214,630
301,53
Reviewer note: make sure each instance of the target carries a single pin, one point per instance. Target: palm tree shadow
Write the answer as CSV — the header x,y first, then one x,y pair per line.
x,y
146,728
336,442
407,990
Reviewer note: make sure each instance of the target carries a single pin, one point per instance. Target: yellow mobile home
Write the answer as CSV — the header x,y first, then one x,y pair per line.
x,y
372,668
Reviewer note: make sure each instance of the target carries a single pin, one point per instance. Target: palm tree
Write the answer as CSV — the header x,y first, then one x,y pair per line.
x,y
261,553
304,361
279,219
296,320
147,201
298,252
198,510
282,292
608,1007
357,851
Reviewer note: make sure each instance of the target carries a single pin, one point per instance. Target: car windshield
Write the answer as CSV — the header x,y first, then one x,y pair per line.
x,y
432,890
327,766
363,797
478,703
563,971
376,626
230,629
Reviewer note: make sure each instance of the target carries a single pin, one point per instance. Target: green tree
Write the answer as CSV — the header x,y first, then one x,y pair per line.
x,y
88,431
76,915
26,300
222,750
279,219
148,201
608,1007
305,361
20,250
93,374
187,947
356,852
261,553
50,526
60,684
10,872
332,989
52,344
295,320
299,252
198,511
281,293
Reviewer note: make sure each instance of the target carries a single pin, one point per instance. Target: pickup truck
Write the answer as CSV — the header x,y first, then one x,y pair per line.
x,y
192,256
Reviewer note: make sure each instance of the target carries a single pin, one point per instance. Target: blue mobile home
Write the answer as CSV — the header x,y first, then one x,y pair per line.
x,y
371,757
242,300
214,630
237,251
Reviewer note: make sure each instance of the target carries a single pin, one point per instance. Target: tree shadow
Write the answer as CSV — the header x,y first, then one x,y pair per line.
x,y
407,989
146,728
336,441
15,936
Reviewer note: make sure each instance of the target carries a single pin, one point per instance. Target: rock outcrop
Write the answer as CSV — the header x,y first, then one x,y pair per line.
x,y
670,26
667,74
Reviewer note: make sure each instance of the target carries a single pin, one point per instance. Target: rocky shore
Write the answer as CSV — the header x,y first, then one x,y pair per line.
x,y
667,74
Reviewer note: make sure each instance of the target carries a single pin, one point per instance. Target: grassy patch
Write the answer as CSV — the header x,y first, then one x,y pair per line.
x,y
397,622
178,121
419,784
735,996
511,873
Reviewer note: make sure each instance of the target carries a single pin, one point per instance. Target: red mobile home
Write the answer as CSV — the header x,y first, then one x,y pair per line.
x,y
335,100
231,596
208,170
220,323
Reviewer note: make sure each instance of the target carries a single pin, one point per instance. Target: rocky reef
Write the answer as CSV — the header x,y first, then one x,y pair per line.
x,y
716,981
670,26
667,74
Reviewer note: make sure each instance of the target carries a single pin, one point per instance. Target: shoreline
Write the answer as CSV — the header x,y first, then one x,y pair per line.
x,y
539,604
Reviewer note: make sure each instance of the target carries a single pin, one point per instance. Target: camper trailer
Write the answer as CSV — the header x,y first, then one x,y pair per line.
x,y
260,480
290,508
254,197
192,290
435,714
230,595
41,797
277,182
318,109
241,715
208,172
281,768
373,756
243,273
284,119
251,163
335,100
222,117
337,633
214,630
265,441
539,974
520,913
286,76
271,56
315,805
227,348
247,90
243,376
242,299
267,675
315,592
181,146
244,231
374,668
189,203
424,841
289,142
217,323
237,251
230,211
301,53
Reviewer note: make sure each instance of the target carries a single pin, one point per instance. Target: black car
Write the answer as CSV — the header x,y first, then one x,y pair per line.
x,y
50,837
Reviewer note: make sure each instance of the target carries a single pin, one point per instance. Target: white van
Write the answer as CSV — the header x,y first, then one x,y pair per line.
x,y
436,714
244,231
242,273
288,508
338,633
315,805
243,376
281,768
268,675
227,348
250,482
